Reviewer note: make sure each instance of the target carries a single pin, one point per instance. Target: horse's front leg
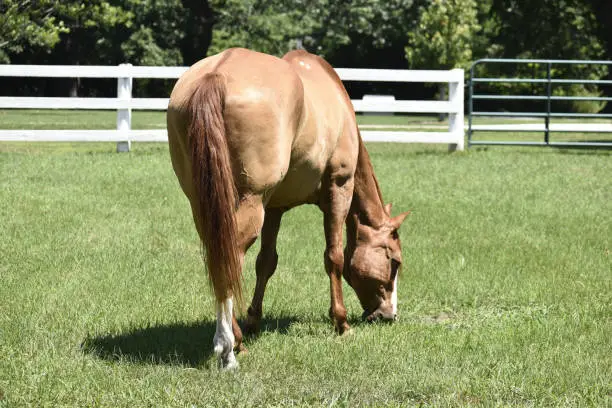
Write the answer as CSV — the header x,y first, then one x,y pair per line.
x,y
335,204
265,266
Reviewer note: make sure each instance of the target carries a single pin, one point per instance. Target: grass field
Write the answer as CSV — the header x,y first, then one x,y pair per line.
x,y
505,297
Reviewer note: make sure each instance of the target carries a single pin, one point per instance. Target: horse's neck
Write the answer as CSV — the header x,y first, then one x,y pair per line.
x,y
367,199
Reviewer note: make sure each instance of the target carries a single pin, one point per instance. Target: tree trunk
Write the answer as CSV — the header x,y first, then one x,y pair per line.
x,y
442,97
198,32
73,83
74,87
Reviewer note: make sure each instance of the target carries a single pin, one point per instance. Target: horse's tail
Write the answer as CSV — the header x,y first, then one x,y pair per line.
x,y
215,186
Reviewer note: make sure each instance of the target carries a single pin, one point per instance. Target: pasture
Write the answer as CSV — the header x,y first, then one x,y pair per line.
x,y
505,297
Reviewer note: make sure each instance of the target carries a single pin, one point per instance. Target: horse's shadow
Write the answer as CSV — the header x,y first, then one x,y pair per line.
x,y
187,344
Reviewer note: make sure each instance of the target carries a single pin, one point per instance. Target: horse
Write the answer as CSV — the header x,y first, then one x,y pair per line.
x,y
252,136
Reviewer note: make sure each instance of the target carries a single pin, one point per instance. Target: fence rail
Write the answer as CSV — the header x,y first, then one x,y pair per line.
x,y
124,103
546,97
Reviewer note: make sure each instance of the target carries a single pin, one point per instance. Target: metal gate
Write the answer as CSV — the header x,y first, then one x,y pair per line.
x,y
543,93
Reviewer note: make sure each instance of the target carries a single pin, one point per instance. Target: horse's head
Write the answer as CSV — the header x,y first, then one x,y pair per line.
x,y
372,262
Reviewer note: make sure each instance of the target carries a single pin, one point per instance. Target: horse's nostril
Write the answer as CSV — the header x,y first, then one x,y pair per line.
x,y
388,317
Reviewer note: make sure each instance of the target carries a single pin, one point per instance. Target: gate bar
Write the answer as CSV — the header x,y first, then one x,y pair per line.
x,y
548,98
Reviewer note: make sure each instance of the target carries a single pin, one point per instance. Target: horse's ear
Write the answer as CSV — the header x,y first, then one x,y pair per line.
x,y
388,209
397,220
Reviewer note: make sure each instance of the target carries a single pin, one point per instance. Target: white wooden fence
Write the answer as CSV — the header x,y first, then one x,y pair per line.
x,y
124,103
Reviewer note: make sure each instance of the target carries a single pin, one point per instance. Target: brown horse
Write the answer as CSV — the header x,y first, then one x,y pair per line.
x,y
252,136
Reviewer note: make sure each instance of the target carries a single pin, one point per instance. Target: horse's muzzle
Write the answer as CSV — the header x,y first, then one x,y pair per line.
x,y
379,315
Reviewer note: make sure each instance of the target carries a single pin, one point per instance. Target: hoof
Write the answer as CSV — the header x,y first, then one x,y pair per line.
x,y
227,361
224,349
347,332
229,366
343,328
251,327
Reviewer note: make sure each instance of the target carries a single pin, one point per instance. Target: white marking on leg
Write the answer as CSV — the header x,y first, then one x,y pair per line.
x,y
394,297
223,341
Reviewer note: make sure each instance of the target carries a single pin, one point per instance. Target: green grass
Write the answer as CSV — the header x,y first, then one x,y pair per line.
x,y
505,297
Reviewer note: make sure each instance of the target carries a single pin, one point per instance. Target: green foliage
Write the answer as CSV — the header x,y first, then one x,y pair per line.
x,y
156,32
142,49
431,33
95,14
578,106
321,26
22,25
490,26
143,32
362,24
561,29
444,34
70,31
273,27
549,29
90,26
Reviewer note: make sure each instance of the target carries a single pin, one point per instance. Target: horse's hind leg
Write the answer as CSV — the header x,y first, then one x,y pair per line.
x,y
265,267
249,219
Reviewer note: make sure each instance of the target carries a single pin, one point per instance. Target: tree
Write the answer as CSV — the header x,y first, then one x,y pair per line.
x,y
336,30
553,29
89,28
560,29
197,30
443,37
23,26
155,33
155,37
361,33
274,27
356,33
57,32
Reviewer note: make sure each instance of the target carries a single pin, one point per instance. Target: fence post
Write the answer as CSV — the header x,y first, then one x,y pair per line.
x,y
456,119
124,116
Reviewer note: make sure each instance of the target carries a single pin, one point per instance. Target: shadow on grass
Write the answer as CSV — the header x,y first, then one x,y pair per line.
x,y
169,344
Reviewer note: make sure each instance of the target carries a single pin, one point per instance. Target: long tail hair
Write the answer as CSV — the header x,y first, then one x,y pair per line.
x,y
215,186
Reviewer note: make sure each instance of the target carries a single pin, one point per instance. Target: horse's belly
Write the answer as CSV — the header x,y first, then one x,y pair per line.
x,y
301,185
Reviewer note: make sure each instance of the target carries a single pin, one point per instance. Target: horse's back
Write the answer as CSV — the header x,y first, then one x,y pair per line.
x,y
263,102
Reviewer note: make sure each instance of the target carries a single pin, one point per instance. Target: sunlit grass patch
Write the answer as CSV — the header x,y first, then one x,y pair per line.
x,y
504,294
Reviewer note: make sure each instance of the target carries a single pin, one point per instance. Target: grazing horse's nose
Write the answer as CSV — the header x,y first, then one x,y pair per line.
x,y
389,317
379,314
